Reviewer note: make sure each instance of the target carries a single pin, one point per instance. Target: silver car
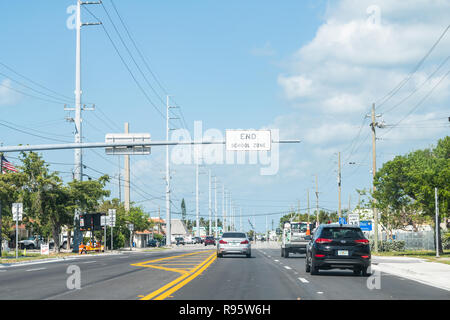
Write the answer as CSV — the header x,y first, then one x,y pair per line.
x,y
234,243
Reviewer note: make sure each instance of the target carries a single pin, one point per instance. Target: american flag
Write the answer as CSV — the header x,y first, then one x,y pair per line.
x,y
7,165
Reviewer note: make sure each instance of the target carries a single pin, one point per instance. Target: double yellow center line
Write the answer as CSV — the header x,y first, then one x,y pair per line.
x,y
186,277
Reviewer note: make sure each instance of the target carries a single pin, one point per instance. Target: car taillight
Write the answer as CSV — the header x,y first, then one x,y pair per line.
x,y
362,241
365,257
223,242
320,255
322,240
244,242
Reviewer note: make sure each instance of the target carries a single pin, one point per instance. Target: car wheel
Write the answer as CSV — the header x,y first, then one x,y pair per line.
x,y
307,267
365,272
219,255
282,252
249,255
314,268
356,271
286,253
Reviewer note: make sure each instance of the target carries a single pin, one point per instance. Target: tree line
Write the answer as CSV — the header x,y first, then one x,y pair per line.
x,y
49,204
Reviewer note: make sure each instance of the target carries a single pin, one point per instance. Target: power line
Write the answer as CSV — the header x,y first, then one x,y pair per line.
x,y
413,71
126,66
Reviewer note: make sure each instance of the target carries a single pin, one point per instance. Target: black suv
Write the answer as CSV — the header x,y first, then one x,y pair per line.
x,y
336,246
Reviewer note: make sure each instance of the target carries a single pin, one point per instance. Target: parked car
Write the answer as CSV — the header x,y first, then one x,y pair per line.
x,y
152,243
180,240
234,243
210,241
198,240
335,246
30,243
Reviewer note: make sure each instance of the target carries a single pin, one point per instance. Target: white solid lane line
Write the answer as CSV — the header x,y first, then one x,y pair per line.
x,y
37,269
303,280
89,262
276,260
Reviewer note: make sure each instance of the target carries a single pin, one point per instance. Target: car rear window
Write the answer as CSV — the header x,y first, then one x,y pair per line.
x,y
342,233
234,235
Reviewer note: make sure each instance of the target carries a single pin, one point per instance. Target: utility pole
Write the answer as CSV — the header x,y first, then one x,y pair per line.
x,y
120,185
317,202
159,220
215,206
210,206
168,216
374,170
224,204
240,220
197,223
339,184
225,222
436,203
308,205
230,208
349,202
78,156
127,175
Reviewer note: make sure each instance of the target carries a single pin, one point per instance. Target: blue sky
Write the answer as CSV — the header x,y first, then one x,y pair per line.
x,y
310,68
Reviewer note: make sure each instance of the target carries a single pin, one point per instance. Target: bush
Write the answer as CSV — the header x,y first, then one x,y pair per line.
x,y
388,245
446,241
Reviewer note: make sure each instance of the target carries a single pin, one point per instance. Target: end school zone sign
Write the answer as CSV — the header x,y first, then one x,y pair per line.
x,y
248,140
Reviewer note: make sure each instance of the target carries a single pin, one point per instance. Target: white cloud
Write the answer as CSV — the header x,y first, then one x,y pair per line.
x,y
362,51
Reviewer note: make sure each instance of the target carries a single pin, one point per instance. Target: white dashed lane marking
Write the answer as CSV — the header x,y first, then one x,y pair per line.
x,y
289,268
37,269
303,280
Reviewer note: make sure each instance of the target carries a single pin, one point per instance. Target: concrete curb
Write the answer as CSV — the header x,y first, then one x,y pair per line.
x,y
429,273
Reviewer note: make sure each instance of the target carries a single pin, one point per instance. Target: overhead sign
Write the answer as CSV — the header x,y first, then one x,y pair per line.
x,y
248,140
353,218
17,211
126,138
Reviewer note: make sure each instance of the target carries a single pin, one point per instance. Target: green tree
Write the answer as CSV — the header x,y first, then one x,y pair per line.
x,y
405,186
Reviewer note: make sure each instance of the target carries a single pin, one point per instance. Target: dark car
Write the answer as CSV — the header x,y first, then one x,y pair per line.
x,y
180,240
210,241
198,240
336,246
152,243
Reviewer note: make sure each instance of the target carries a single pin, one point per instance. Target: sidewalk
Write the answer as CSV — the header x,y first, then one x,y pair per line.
x,y
429,273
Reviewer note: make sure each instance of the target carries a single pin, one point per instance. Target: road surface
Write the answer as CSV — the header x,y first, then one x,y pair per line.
x,y
195,273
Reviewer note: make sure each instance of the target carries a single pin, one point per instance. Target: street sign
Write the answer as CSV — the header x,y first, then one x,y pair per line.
x,y
353,218
131,227
104,221
45,249
365,225
125,138
248,140
17,211
112,217
342,221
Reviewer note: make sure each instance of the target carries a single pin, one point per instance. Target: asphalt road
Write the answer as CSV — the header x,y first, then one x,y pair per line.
x,y
196,274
